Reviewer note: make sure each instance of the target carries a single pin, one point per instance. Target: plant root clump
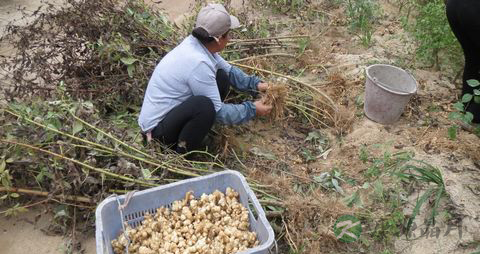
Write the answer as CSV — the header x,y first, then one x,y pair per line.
x,y
215,223
276,96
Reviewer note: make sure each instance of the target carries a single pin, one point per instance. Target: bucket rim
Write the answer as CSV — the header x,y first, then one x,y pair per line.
x,y
388,88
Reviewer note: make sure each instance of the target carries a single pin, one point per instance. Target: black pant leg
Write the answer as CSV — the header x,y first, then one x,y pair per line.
x,y
223,83
186,125
463,19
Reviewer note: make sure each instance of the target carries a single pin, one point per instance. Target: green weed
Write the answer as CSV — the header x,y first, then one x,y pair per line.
x,y
302,45
261,28
14,210
389,226
436,42
330,180
304,10
461,114
388,163
298,251
316,145
428,174
354,200
361,16
288,4
384,175
363,155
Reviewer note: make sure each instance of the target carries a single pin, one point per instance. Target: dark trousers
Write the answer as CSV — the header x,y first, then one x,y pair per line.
x,y
463,17
185,126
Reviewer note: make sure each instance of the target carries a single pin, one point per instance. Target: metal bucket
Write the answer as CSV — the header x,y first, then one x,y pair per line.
x,y
388,89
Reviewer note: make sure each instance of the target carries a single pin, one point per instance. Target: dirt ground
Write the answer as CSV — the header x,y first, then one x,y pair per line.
x,y
26,234
458,160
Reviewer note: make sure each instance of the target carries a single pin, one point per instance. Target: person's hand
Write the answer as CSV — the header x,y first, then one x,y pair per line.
x,y
263,87
261,108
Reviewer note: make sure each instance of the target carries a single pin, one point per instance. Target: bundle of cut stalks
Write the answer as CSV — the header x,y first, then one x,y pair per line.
x,y
102,153
276,96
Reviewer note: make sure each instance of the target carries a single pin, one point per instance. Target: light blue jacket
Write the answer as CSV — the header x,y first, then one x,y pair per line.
x,y
190,70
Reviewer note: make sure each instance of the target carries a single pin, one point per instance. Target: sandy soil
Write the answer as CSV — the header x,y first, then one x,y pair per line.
x,y
176,10
25,234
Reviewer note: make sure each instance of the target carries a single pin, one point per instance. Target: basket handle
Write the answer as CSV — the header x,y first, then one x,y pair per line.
x,y
253,209
121,207
255,212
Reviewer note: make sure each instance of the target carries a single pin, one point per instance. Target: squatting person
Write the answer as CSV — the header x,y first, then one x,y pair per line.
x,y
185,94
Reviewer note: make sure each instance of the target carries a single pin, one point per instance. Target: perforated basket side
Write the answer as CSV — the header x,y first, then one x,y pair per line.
x,y
108,221
258,220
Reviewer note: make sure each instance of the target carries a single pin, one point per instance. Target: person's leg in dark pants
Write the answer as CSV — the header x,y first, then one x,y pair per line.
x,y
472,71
463,19
185,126
223,83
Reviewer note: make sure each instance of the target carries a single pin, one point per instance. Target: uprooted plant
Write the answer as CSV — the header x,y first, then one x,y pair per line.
x,y
50,146
109,55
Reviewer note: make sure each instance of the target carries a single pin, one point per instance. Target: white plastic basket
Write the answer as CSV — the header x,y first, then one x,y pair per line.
x,y
109,222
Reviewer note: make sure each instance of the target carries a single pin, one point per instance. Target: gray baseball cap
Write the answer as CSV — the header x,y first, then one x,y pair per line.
x,y
216,20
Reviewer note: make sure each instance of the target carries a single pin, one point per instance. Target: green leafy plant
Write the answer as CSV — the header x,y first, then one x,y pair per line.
x,y
361,16
15,210
298,9
436,42
4,174
302,45
354,200
384,164
330,180
389,226
460,113
363,154
308,156
378,190
317,145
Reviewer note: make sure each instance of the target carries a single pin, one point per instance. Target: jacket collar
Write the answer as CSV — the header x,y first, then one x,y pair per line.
x,y
211,56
